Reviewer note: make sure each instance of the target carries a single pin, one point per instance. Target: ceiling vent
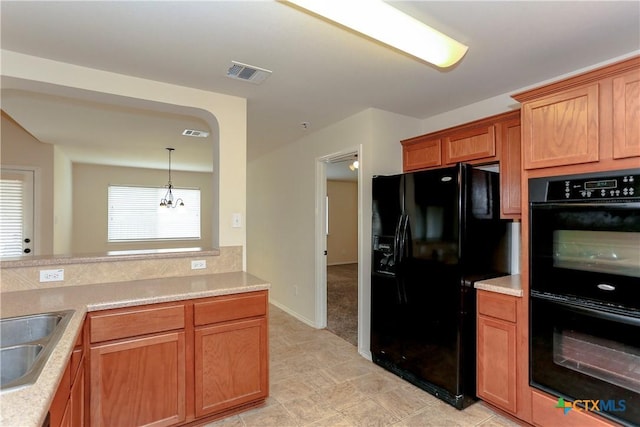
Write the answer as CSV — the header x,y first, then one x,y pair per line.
x,y
195,133
247,73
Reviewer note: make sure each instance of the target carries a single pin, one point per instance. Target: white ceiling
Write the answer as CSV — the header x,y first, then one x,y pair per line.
x,y
321,73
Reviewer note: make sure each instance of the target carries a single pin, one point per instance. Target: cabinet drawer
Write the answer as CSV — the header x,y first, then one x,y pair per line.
x,y
497,305
222,309
137,321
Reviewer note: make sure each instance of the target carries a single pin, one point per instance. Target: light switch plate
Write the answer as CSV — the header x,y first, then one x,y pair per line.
x,y
236,220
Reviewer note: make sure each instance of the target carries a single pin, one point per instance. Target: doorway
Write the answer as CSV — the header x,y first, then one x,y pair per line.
x,y
341,228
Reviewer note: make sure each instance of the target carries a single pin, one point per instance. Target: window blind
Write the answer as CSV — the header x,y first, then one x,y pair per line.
x,y
135,214
11,217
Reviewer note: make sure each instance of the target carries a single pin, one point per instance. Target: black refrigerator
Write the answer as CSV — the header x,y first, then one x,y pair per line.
x,y
434,233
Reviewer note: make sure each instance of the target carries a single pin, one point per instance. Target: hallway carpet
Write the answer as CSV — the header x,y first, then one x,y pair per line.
x,y
342,301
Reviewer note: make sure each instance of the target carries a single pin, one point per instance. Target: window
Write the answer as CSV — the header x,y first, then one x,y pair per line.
x,y
16,213
135,214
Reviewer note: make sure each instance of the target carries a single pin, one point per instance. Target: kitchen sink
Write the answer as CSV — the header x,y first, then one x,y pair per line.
x,y
16,361
26,342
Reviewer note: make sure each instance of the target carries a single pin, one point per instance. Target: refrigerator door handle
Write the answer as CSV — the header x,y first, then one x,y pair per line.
x,y
405,251
396,244
404,227
396,259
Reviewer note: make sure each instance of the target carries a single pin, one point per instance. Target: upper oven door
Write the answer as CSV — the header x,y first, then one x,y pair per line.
x,y
587,250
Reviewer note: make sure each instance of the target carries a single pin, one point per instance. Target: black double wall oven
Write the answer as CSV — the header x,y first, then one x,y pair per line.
x,y
585,292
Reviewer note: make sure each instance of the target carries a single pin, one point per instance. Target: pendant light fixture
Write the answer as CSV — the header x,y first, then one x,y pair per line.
x,y
167,201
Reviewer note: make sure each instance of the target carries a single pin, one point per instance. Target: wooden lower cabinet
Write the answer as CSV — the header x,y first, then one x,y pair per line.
x,y
497,362
229,367
177,363
496,347
76,402
139,381
68,406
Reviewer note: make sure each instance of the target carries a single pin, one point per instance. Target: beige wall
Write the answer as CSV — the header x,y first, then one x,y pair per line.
x,y
342,239
62,203
90,185
226,116
20,149
281,197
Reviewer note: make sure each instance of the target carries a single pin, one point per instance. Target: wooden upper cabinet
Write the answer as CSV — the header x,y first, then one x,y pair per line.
x,y
420,153
561,129
626,115
590,121
472,144
490,140
509,141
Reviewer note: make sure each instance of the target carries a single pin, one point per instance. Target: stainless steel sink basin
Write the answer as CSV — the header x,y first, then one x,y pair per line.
x,y
16,361
26,342
20,330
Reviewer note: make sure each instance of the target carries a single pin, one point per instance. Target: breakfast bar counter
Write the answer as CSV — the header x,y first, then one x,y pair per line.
x,y
28,406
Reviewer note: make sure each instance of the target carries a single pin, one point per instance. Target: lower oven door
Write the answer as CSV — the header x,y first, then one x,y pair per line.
x,y
583,353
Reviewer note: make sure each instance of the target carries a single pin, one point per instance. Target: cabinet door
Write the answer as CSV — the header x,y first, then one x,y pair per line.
x,y
561,129
497,362
139,381
470,144
59,409
510,168
626,115
231,365
421,155
76,401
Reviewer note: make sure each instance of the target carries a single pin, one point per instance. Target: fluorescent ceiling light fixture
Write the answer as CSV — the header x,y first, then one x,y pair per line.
x,y
380,21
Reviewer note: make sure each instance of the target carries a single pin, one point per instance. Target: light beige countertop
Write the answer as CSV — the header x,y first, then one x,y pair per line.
x,y
28,406
509,285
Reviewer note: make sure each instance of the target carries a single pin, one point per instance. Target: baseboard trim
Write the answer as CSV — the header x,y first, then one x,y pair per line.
x,y
294,314
342,263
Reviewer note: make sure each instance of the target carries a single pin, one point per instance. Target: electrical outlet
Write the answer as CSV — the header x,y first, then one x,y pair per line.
x,y
295,290
199,264
52,275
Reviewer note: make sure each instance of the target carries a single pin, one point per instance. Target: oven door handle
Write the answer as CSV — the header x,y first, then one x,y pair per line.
x,y
593,312
616,204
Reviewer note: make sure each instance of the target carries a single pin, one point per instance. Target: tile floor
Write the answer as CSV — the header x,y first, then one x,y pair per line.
x,y
319,379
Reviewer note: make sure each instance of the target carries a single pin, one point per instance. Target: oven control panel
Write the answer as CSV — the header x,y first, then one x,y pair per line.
x,y
609,187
